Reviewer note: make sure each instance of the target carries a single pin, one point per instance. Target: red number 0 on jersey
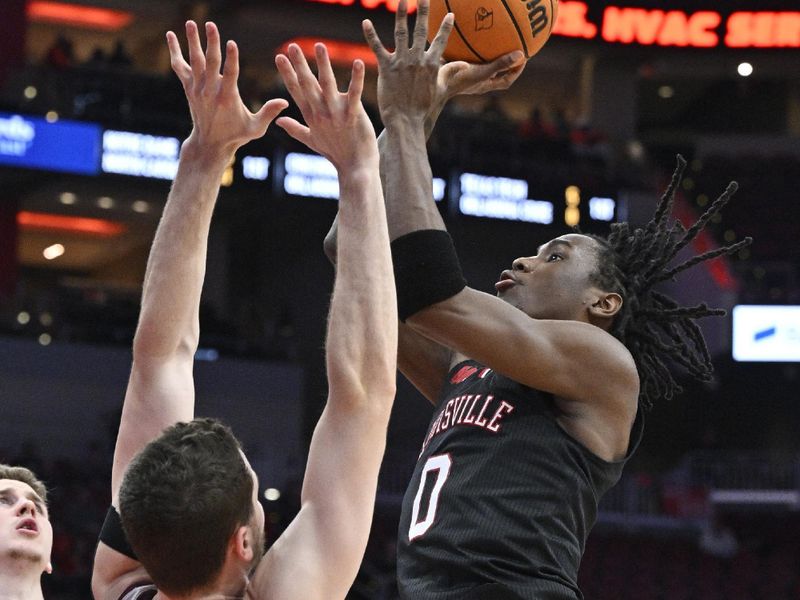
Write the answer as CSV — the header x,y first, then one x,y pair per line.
x,y
441,464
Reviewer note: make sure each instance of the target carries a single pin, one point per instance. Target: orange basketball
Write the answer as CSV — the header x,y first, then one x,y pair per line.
x,y
486,29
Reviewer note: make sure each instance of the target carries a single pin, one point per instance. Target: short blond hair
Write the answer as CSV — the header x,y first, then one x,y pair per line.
x,y
25,476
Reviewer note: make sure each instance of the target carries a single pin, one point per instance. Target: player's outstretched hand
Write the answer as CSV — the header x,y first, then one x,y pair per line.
x,y
407,77
221,120
462,78
413,81
337,126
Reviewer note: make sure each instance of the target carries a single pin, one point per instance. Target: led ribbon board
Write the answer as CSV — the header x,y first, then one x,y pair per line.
x,y
255,167
313,176
501,198
34,143
647,26
764,333
140,155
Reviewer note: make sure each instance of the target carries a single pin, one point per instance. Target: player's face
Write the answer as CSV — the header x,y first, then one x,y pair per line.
x,y
25,530
556,282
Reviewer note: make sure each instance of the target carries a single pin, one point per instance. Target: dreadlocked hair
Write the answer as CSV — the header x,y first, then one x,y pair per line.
x,y
654,328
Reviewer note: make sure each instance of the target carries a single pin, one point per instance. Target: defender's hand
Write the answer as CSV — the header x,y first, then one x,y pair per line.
x,y
222,123
337,126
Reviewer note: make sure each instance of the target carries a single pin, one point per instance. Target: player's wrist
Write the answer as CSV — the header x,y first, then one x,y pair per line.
x,y
359,173
403,120
209,154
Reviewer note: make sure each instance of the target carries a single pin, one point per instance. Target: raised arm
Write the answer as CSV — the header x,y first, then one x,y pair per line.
x,y
469,322
423,361
319,554
161,388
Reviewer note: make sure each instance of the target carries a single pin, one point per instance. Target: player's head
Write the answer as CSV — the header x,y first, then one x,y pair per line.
x,y
559,282
26,536
189,506
611,282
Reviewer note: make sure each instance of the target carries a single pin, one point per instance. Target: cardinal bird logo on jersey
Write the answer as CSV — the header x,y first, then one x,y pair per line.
x,y
462,374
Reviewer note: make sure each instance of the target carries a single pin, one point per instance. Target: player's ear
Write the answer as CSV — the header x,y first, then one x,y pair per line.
x,y
242,543
605,305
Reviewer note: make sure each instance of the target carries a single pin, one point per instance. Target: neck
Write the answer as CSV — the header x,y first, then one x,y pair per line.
x,y
17,583
234,592
201,596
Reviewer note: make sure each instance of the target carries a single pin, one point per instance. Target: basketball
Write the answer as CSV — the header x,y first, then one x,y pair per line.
x,y
486,29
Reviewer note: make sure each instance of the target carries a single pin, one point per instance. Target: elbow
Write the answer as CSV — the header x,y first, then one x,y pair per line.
x,y
370,395
153,341
329,247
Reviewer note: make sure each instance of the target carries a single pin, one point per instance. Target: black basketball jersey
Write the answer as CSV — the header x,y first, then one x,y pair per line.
x,y
502,499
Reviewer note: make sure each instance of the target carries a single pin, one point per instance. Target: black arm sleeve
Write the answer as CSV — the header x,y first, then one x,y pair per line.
x,y
426,270
113,536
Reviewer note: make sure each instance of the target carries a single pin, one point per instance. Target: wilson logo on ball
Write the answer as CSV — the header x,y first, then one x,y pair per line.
x,y
487,29
537,14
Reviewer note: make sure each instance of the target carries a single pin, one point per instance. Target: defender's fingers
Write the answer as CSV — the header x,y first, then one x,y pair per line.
x,y
374,42
213,51
327,80
287,73
196,59
439,43
230,74
270,110
298,131
401,27
356,86
305,76
289,76
176,60
421,24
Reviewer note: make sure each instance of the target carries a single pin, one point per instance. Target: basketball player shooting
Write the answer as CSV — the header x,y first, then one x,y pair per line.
x,y
540,389
186,521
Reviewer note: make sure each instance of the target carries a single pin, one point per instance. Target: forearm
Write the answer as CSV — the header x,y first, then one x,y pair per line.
x,y
173,282
407,180
362,336
330,239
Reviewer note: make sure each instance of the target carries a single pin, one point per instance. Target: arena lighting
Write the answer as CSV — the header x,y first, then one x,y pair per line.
x,y
272,494
341,53
80,225
745,69
54,251
91,17
657,27
140,206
